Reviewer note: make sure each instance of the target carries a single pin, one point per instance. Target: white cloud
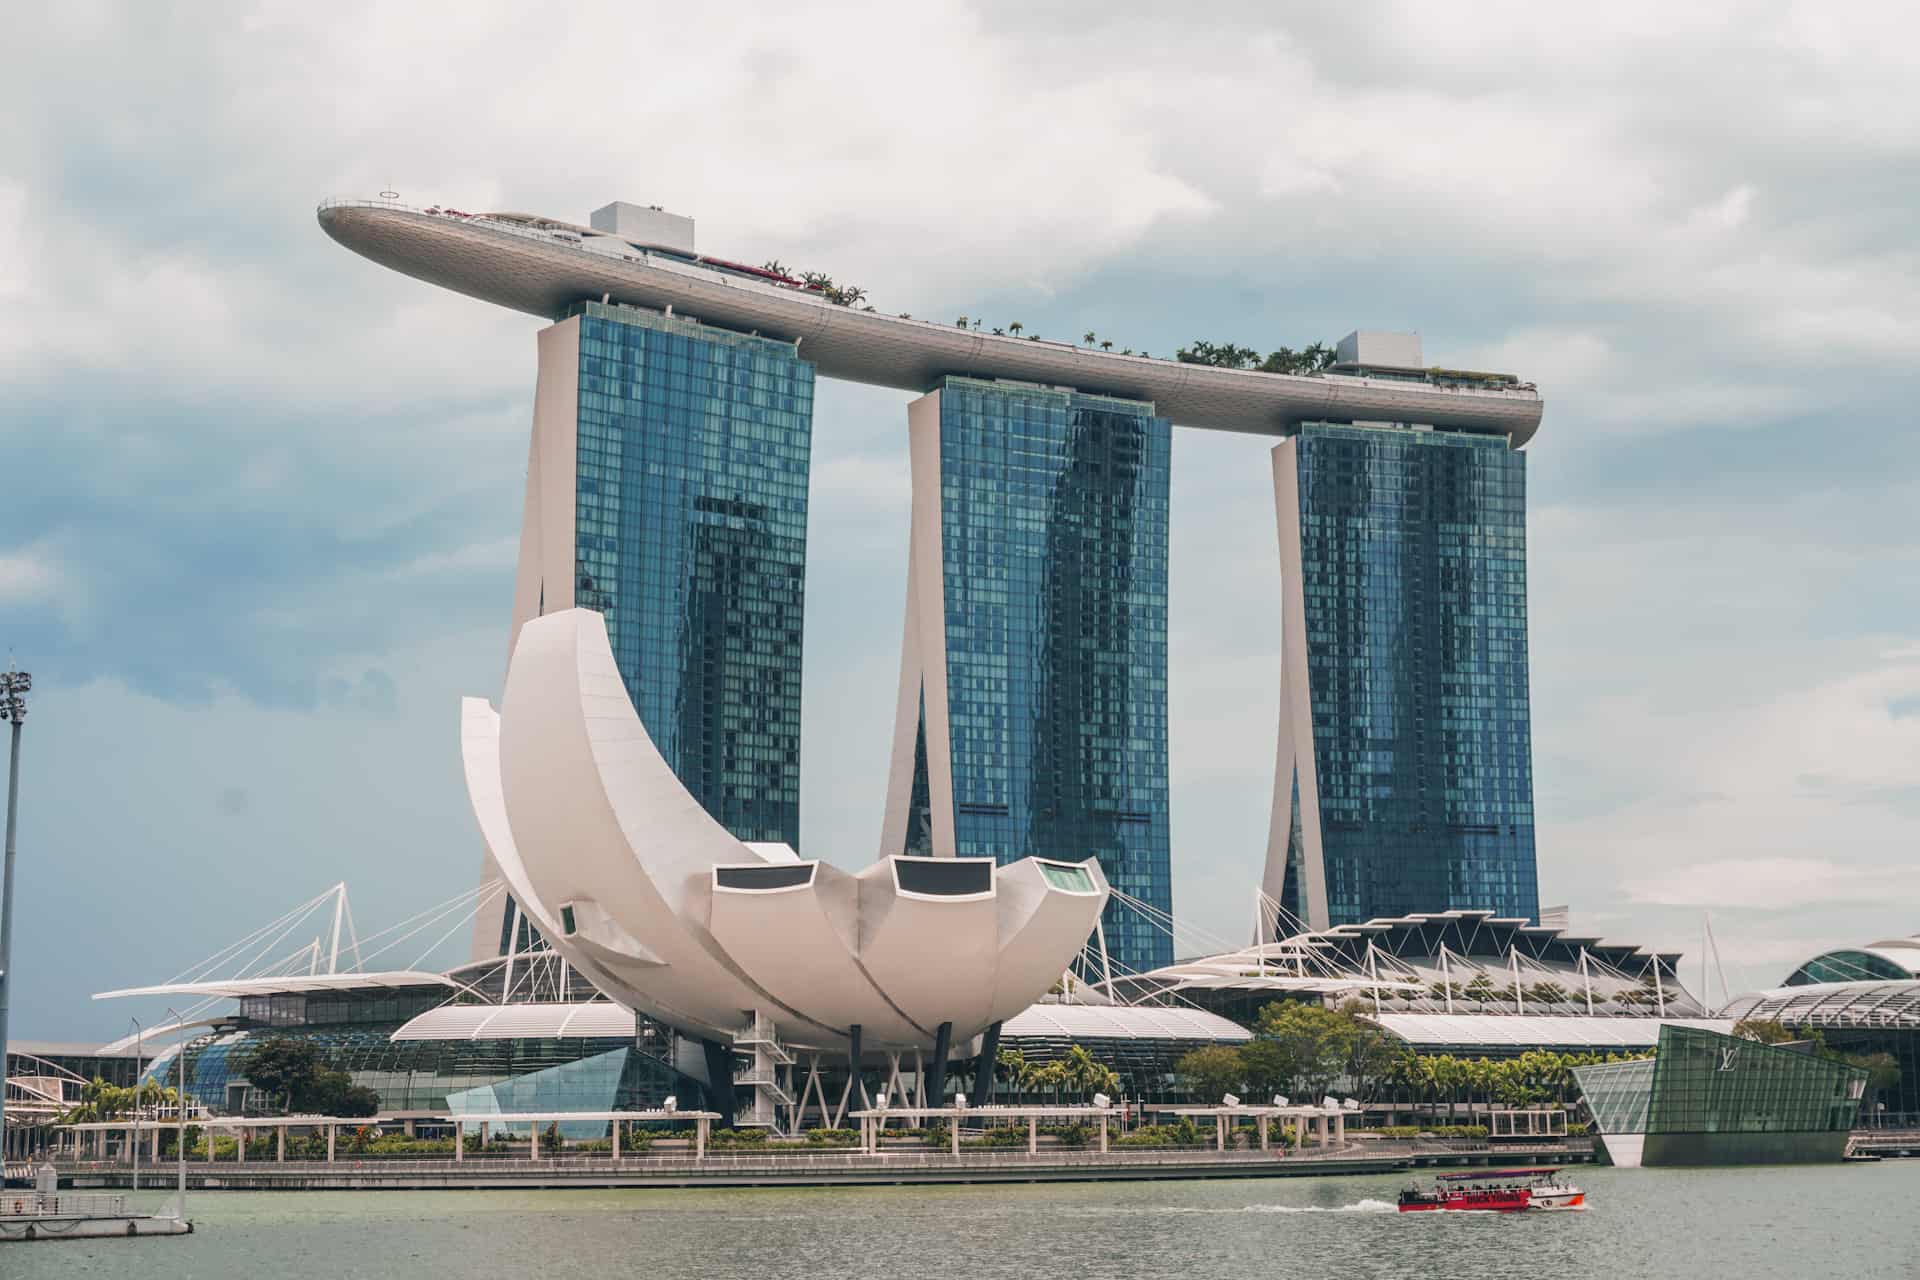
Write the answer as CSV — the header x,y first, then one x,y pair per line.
x,y
1765,883
26,575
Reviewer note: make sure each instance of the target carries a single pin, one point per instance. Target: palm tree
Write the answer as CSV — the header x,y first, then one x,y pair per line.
x,y
776,266
1088,337
1000,333
1015,328
961,323
851,294
1107,345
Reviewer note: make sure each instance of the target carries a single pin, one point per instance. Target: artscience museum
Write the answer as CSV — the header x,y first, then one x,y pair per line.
x,y
733,944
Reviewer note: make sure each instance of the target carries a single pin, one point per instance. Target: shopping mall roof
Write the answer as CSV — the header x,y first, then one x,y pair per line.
x,y
1121,1022
1835,1004
299,984
541,266
1482,1031
586,1020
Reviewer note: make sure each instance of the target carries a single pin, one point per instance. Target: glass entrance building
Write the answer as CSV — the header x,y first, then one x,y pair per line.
x,y
1033,701
1707,1099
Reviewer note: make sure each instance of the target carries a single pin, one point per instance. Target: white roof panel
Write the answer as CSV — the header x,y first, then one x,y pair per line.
x,y
1123,1022
294,985
1503,1031
590,1020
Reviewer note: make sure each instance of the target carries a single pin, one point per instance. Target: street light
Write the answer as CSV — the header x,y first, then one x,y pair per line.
x,y
14,684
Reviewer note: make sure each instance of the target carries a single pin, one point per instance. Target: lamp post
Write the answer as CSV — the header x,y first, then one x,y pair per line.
x,y
14,684
180,1114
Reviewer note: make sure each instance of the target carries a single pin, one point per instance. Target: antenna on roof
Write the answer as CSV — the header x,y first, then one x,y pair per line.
x,y
389,195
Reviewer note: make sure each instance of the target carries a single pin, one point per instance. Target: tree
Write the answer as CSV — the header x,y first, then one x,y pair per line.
x,y
776,266
1371,1054
960,323
293,1073
1481,989
1313,1044
1088,337
1106,344
1212,1072
1015,328
286,1070
1765,1030
1264,1066
1223,355
1547,993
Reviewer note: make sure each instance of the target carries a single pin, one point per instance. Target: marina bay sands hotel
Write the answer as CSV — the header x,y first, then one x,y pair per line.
x,y
667,489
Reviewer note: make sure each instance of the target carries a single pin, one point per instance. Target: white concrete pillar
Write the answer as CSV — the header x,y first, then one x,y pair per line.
x,y
533,1134
1103,1133
1220,1131
332,1131
955,1130
700,1127
406,1127
615,1130
280,1152
1033,1135
240,1145
459,1139
1340,1130
1262,1122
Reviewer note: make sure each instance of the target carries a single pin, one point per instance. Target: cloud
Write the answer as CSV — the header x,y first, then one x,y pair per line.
x,y
1769,884
265,492
25,575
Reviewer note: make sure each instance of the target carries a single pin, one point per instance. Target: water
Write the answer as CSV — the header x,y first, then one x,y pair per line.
x,y
1854,1221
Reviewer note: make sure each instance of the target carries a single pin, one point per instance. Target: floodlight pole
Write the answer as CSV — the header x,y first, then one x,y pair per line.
x,y
14,684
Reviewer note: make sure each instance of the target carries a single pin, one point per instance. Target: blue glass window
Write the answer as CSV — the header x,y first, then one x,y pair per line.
x,y
691,532
1414,571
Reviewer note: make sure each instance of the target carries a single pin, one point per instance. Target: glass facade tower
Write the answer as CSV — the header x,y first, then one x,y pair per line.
x,y
667,490
691,537
1405,779
1033,714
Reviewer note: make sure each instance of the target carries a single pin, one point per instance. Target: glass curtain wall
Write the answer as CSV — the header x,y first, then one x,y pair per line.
x,y
694,444
1414,571
1053,509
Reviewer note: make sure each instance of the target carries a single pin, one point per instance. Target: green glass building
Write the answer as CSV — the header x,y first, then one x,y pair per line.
x,y
1707,1099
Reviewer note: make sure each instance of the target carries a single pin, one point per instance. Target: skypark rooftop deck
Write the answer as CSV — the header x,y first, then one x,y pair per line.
x,y
541,266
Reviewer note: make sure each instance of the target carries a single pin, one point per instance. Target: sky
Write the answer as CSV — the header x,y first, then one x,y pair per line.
x,y
261,496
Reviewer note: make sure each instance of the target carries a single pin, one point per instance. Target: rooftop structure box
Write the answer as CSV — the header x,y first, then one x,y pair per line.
x,y
1375,348
645,224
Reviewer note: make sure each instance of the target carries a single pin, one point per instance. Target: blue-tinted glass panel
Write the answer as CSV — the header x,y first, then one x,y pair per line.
x,y
1414,571
691,538
1053,515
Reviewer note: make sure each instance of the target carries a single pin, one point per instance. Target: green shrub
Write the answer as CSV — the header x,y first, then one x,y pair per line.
x,y
1577,1129
737,1139
832,1137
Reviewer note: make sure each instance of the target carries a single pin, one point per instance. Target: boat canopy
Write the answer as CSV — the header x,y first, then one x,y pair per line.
x,y
1479,1175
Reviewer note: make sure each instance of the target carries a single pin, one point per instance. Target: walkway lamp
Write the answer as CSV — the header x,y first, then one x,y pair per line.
x,y
14,684
180,1112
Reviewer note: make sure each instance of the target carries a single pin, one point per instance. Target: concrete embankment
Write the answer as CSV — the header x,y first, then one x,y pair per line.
x,y
798,1169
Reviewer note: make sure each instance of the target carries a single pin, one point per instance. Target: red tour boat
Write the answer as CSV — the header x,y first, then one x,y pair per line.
x,y
1495,1191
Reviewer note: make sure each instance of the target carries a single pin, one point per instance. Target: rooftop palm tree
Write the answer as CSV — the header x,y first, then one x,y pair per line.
x,y
1107,345
1088,337
1015,328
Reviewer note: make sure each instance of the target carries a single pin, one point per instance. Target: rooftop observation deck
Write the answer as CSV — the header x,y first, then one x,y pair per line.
x,y
540,266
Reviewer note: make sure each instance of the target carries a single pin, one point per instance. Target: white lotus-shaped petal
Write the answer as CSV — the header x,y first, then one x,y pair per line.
x,y
632,881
